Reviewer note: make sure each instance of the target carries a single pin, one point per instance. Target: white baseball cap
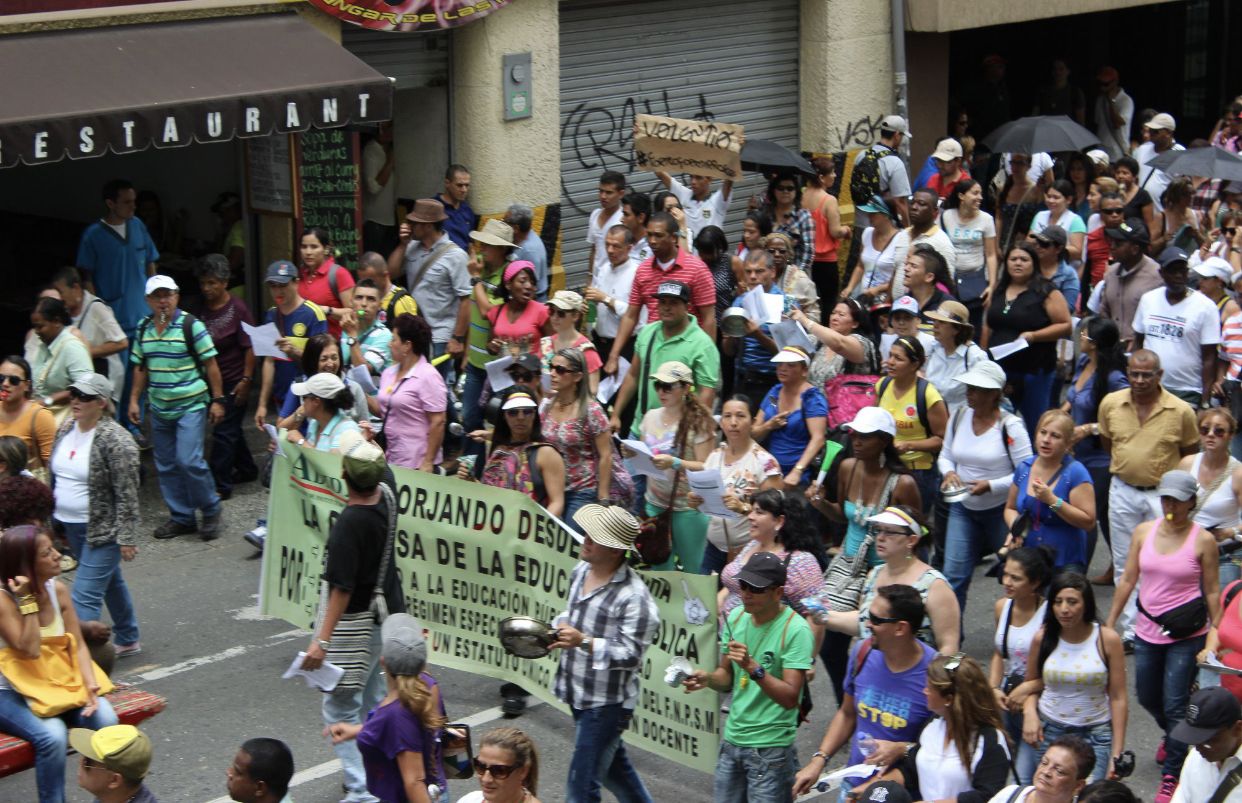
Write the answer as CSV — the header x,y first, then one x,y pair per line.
x,y
161,282
321,386
1215,268
947,150
1162,120
983,374
906,304
895,122
870,420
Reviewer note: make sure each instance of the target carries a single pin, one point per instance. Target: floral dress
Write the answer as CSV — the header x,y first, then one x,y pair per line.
x,y
574,438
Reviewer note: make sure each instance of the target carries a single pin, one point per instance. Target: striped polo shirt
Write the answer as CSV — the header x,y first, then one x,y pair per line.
x,y
480,331
1231,346
174,385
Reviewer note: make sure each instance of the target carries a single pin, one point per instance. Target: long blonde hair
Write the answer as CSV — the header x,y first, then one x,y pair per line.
x,y
416,696
971,702
522,748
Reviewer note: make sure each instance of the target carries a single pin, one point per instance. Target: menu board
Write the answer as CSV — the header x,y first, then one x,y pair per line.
x,y
269,175
329,190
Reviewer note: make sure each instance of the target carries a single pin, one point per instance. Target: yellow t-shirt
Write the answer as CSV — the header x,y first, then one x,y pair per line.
x,y
905,412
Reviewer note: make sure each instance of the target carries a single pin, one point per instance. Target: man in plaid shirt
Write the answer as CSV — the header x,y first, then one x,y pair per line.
x,y
608,624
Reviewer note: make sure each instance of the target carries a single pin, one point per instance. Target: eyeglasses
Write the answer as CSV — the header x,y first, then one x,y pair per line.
x,y
1112,210
522,376
12,379
74,393
498,771
785,188
881,620
752,589
885,533
664,387
561,370
1219,432
520,412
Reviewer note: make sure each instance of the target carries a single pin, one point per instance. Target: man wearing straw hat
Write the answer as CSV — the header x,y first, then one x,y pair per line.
x,y
609,622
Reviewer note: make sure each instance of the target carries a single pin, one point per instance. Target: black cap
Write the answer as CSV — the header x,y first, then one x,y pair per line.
x,y
763,570
1208,711
1052,234
886,792
674,289
1132,229
528,362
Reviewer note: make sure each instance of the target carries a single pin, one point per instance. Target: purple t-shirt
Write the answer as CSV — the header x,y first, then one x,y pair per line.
x,y
890,707
225,327
391,729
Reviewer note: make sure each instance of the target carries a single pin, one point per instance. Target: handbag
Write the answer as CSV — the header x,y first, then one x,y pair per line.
x,y
845,576
1180,622
43,473
379,601
655,533
457,751
52,683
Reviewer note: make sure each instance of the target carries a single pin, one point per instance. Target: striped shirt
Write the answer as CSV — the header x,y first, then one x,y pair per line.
x,y
175,386
480,331
1231,346
621,618
686,268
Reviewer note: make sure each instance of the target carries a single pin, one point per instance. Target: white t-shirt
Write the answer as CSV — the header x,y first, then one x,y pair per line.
x,y
743,478
940,771
902,243
983,457
967,237
71,466
98,325
878,266
616,282
596,233
699,214
640,251
379,202
1176,332
1115,140
1149,178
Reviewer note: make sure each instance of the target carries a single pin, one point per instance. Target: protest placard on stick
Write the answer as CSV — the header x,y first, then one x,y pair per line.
x,y
698,147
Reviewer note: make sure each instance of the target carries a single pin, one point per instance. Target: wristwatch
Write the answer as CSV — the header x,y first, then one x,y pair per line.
x,y
220,400
48,401
325,645
758,674
475,280
351,341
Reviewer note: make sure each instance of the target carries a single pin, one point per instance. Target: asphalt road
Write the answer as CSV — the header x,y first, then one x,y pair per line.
x,y
207,649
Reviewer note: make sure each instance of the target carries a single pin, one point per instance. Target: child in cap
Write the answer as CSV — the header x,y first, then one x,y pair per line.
x,y
408,720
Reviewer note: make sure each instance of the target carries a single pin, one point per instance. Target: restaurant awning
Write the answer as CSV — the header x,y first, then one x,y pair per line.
x,y
121,89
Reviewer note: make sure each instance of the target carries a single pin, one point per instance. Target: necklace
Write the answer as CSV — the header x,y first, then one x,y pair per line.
x,y
74,440
863,511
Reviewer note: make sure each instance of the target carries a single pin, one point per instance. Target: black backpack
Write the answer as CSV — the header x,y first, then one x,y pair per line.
x,y
390,316
187,334
865,179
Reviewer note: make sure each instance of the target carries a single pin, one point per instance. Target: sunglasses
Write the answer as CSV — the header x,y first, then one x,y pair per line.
x,y
557,311
1219,432
12,379
498,771
522,376
1112,210
1230,231
561,370
786,188
520,412
664,387
752,589
74,393
954,662
881,620
1042,243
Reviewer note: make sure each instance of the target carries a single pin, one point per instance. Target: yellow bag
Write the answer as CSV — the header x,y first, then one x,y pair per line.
x,y
50,683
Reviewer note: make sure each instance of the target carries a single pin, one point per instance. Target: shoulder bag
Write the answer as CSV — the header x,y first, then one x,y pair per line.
x,y
655,536
844,578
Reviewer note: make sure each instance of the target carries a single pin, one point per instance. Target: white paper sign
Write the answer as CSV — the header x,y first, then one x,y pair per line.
x,y
640,463
263,340
609,385
775,306
791,333
275,436
709,485
1002,351
497,375
362,375
324,678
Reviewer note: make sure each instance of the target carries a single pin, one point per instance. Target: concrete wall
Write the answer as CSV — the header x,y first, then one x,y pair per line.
x,y
846,73
518,159
929,94
960,15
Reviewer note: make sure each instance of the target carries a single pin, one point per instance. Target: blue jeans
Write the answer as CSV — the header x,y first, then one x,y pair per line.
x,y
99,581
1230,569
50,738
472,414
970,533
185,481
714,560
754,774
1162,677
1024,758
575,500
1036,397
229,452
928,482
600,758
1100,737
352,705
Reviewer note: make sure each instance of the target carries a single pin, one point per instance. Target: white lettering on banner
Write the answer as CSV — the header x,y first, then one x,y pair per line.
x,y
40,145
128,125
170,130
86,137
363,97
291,116
252,120
215,124
329,110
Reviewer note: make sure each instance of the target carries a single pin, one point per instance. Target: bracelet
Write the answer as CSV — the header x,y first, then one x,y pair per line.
x,y
324,644
821,754
245,379
28,608
676,464
1057,505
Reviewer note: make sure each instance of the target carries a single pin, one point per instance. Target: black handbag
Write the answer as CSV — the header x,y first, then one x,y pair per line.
x,y
1181,622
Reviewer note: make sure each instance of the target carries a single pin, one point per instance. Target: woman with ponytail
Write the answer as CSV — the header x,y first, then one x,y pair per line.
x,y
400,742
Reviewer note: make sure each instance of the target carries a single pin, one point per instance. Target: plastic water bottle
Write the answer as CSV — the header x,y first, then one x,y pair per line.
x,y
814,605
867,744
433,792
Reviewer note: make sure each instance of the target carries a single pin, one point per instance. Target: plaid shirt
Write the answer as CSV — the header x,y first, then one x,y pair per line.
x,y
621,618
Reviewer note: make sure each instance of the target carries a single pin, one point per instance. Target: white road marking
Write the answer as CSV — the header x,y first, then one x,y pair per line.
x,y
330,767
159,673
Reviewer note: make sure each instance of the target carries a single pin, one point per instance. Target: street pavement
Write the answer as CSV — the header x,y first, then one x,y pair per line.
x,y
207,649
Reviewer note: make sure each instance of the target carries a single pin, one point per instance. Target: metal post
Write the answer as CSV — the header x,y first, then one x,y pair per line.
x,y
899,68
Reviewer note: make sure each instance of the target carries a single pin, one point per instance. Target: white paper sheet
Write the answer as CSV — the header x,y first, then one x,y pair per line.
x,y
640,462
709,485
1001,352
263,340
609,385
754,305
324,678
497,374
545,382
1213,664
790,333
775,306
275,436
362,375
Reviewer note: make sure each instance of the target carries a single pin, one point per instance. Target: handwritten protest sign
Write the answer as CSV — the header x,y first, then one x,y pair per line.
x,y
468,556
698,147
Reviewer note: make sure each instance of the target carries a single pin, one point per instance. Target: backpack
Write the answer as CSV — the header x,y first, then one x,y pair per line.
x,y
389,313
1004,424
332,280
865,178
187,333
920,399
847,394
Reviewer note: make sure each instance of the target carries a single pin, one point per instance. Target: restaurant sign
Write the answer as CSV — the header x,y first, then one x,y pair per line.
x,y
409,15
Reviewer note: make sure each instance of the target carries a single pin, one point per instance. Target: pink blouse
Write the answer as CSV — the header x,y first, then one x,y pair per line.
x,y
804,578
406,403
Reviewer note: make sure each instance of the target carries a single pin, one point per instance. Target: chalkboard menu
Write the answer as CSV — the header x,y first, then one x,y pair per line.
x,y
329,189
269,175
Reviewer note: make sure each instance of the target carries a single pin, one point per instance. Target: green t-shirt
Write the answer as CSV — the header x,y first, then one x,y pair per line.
x,y
755,719
691,346
480,329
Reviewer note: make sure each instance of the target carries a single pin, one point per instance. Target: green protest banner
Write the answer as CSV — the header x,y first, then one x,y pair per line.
x,y
469,556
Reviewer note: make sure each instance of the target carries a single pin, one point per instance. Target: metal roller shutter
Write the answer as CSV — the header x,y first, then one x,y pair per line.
x,y
735,61
414,60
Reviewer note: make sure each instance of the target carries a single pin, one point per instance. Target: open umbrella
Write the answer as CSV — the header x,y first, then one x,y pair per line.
x,y
1048,134
764,155
1206,162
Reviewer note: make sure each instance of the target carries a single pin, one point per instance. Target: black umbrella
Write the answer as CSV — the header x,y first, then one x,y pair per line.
x,y
1207,162
1050,134
764,156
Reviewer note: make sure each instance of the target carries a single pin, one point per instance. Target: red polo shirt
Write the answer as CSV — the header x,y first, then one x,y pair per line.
x,y
314,286
943,188
685,268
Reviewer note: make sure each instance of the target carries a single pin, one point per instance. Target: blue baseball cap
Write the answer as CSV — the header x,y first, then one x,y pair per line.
x,y
282,271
